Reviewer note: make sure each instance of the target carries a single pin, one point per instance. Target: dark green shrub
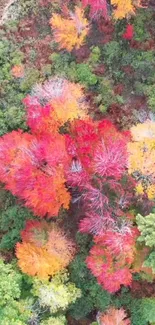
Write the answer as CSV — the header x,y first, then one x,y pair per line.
x,y
93,296
112,53
140,22
12,221
141,311
63,65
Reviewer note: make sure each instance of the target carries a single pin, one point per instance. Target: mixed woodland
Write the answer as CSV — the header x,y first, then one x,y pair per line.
x,y
77,163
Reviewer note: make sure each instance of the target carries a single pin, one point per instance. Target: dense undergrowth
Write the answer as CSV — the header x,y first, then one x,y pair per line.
x,y
77,157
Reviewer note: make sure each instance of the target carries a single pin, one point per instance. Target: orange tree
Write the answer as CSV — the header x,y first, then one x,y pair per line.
x,y
45,249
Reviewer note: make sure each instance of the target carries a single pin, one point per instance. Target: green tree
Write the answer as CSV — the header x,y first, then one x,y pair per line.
x,y
146,226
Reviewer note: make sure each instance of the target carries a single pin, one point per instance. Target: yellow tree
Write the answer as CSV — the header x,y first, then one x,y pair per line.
x,y
44,251
70,32
141,161
123,9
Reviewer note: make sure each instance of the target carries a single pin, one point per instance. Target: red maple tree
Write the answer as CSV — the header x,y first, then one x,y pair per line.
x,y
97,8
111,258
99,163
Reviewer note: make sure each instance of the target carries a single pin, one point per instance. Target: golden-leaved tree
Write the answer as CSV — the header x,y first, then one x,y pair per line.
x,y
33,165
44,251
141,162
123,9
70,32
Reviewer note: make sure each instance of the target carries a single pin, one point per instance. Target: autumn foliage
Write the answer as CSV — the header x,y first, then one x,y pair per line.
x,y
120,10
71,31
113,316
97,8
129,32
34,170
124,8
33,166
67,153
111,259
77,191
99,163
45,249
64,101
18,71
142,157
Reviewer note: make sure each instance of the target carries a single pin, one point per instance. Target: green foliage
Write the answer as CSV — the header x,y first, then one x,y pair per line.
x,y
117,56
125,300
85,75
83,295
10,284
95,55
46,70
93,296
9,53
27,7
12,115
31,77
12,119
148,309
146,226
9,56
140,22
3,126
139,88
57,294
149,91
12,310
63,65
150,261
138,317
112,53
106,94
16,313
142,311
60,320
84,241
17,306
15,118
142,62
12,220
112,56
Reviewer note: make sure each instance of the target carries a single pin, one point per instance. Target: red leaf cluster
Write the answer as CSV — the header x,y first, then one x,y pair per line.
x,y
33,166
99,162
111,257
97,8
129,32
33,169
63,101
